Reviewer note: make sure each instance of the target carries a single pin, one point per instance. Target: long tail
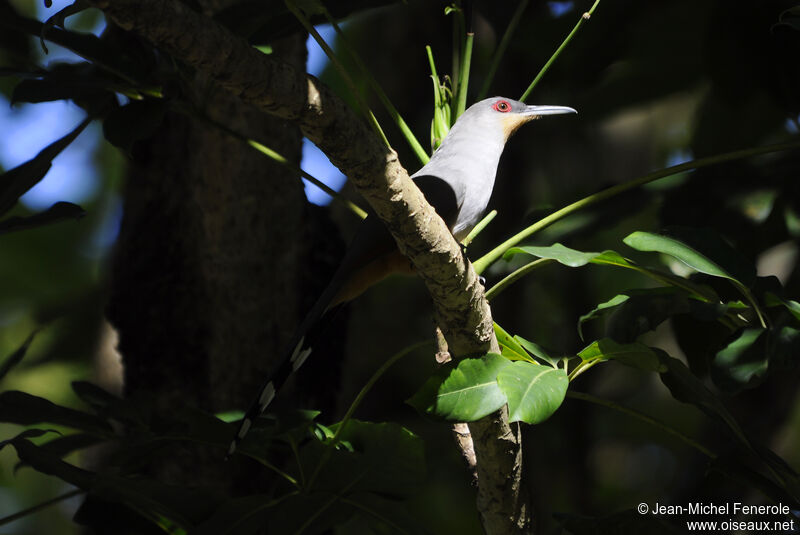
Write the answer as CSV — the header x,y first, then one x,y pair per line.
x,y
296,354
370,257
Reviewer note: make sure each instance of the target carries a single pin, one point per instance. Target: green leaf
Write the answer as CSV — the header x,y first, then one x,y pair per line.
x,y
464,393
574,258
58,212
25,409
510,348
559,253
534,391
15,182
537,351
701,249
636,355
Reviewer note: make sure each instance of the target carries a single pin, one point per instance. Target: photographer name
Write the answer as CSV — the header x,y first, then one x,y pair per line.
x,y
734,508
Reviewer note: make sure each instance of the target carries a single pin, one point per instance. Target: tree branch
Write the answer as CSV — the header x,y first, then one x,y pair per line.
x,y
279,89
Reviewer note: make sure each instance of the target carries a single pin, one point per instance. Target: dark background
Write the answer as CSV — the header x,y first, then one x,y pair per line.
x,y
655,83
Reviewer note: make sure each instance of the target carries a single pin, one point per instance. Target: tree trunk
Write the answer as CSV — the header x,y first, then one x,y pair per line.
x,y
208,272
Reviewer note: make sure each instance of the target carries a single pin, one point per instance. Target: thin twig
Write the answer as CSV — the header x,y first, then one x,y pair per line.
x,y
586,16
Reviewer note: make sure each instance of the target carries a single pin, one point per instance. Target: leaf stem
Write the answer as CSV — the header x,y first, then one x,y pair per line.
x,y
514,276
643,417
582,366
463,84
586,16
482,224
492,256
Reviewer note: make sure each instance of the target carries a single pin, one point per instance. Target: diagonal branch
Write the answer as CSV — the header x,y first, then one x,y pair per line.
x,y
279,89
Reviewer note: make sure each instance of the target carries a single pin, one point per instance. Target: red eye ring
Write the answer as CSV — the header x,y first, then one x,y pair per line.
x,y
502,106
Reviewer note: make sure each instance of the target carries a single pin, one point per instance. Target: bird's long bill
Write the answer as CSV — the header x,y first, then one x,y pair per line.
x,y
538,111
513,121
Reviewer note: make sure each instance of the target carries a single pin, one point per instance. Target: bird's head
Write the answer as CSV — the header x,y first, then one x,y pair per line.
x,y
503,116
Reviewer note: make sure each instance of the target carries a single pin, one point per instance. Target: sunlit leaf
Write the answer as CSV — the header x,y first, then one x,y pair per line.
x,y
509,347
537,351
701,249
463,393
534,392
574,258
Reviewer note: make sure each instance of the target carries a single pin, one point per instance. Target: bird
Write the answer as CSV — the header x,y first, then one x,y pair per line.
x,y
457,181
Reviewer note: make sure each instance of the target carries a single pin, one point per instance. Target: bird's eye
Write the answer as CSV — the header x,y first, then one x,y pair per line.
x,y
502,106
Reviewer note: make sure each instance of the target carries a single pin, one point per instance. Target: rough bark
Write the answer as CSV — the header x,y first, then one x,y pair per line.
x,y
282,90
